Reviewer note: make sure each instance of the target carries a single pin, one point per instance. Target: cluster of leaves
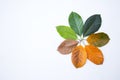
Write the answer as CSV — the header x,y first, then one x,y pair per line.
x,y
85,32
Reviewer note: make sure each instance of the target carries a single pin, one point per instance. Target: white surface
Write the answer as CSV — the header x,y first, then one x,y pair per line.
x,y
28,40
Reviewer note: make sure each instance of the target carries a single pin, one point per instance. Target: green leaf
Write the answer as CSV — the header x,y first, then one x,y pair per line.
x,y
66,32
76,23
92,25
98,39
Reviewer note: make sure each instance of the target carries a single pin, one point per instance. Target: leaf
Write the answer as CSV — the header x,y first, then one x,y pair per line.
x,y
98,39
94,54
79,56
92,25
66,46
66,32
76,23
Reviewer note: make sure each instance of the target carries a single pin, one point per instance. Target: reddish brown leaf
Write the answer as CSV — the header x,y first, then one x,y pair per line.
x,y
79,56
94,54
66,46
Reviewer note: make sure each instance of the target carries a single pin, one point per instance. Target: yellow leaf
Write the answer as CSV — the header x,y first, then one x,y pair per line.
x,y
79,56
94,54
66,46
98,39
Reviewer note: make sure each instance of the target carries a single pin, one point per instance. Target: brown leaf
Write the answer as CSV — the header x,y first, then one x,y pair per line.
x,y
94,54
79,56
66,46
98,39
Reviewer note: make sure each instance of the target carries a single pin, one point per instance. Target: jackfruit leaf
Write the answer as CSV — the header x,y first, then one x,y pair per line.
x,y
94,54
98,39
66,32
67,46
79,56
76,22
92,25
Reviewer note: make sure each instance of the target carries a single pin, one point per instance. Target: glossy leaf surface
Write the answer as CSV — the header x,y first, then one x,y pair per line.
x,y
76,23
92,25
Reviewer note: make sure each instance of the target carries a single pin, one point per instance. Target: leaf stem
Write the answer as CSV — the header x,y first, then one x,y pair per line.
x,y
81,40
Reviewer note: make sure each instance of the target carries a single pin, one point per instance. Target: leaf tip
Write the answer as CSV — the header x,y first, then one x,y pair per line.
x,y
72,12
57,27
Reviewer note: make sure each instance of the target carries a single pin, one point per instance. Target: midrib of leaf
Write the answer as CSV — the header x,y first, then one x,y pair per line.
x,y
90,26
72,34
76,56
76,24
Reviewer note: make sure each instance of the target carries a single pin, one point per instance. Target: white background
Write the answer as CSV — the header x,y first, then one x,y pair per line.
x,y
28,40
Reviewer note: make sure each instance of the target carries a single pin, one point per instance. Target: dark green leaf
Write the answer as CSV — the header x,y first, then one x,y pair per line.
x,y
66,32
76,23
92,25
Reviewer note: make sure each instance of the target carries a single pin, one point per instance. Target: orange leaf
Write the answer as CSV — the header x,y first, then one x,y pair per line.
x,y
94,54
79,56
66,46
